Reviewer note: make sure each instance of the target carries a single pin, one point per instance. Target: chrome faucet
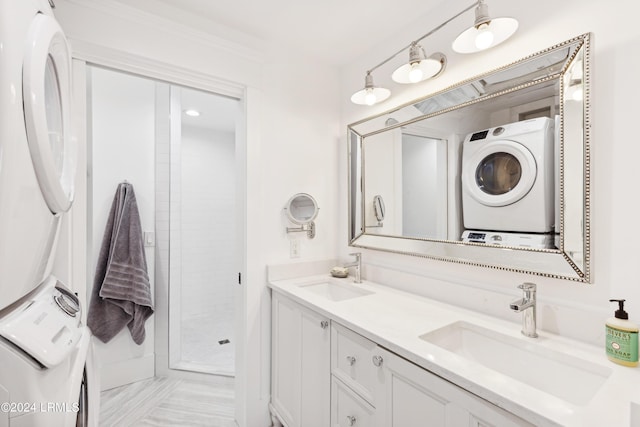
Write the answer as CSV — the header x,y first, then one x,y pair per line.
x,y
357,264
527,305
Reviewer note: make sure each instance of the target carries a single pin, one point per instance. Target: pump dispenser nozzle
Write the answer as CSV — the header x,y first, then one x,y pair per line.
x,y
620,313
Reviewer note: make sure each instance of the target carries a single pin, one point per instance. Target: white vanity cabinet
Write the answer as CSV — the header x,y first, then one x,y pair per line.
x,y
300,374
326,375
410,396
374,387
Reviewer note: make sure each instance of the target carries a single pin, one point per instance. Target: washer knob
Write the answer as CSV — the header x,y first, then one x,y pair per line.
x,y
498,131
69,306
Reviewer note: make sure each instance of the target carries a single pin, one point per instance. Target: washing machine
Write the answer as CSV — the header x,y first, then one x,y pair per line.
x,y
508,178
46,376
37,156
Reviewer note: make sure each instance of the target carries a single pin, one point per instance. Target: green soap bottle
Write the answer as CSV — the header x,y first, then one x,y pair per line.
x,y
622,337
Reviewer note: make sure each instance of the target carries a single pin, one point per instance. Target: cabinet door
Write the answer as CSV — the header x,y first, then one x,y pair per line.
x,y
410,396
300,365
315,384
285,360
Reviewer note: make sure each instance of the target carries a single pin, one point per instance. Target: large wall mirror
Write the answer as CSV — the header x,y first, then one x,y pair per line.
x,y
493,171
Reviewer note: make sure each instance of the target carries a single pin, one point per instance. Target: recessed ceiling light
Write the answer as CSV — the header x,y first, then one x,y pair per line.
x,y
192,113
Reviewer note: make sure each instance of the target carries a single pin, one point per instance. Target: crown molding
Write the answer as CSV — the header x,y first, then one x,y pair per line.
x,y
159,70
178,30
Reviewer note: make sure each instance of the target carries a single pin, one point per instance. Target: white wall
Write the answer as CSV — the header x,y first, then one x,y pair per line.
x,y
292,138
571,309
122,145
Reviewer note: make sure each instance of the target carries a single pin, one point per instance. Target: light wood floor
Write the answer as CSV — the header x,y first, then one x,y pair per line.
x,y
165,402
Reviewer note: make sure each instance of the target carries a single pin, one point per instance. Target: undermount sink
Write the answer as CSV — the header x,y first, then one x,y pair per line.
x,y
334,291
571,379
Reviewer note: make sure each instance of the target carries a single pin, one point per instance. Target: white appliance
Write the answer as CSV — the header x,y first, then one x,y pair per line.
x,y
36,154
518,240
44,347
508,178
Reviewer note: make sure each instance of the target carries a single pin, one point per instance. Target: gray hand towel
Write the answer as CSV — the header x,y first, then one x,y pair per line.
x,y
121,291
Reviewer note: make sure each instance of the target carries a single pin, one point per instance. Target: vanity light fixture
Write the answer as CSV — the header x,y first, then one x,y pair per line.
x,y
484,34
370,94
419,67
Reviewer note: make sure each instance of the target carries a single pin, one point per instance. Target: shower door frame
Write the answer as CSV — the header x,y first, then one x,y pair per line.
x,y
175,245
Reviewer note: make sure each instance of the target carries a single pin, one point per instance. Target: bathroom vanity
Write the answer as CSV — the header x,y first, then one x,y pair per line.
x,y
346,354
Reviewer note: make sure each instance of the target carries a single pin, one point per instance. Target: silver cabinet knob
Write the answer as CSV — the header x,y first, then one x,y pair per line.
x,y
351,420
352,360
324,324
377,360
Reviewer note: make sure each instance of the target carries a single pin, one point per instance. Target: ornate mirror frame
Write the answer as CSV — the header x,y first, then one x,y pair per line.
x,y
570,258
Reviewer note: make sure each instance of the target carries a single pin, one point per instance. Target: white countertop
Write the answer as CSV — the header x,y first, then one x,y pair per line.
x,y
395,320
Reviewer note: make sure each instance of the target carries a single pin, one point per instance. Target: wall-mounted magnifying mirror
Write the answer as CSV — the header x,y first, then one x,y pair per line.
x,y
302,209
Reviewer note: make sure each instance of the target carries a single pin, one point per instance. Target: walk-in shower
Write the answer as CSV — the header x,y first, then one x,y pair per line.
x,y
178,147
203,271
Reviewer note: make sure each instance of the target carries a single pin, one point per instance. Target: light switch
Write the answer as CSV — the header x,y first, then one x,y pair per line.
x,y
149,238
294,248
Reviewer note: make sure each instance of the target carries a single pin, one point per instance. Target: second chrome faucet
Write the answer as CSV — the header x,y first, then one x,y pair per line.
x,y
527,306
357,265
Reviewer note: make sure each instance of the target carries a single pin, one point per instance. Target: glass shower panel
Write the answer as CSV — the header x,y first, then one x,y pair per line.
x,y
203,266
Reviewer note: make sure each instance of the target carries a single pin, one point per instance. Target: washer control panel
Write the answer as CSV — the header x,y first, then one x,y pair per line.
x,y
523,240
479,135
46,325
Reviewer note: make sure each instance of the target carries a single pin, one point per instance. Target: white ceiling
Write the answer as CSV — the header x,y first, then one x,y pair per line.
x,y
217,112
330,30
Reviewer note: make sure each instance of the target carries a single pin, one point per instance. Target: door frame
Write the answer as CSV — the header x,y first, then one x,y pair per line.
x,y
87,53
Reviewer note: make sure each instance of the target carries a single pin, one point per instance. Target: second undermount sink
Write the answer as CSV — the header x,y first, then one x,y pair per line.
x,y
335,291
559,374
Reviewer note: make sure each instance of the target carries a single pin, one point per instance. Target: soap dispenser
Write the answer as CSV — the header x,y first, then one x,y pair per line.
x,y
622,337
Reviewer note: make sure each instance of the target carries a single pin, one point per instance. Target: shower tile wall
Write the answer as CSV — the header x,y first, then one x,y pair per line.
x,y
208,223
208,267
196,200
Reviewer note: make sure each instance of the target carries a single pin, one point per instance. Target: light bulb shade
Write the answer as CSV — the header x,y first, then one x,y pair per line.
x,y
370,94
417,71
485,35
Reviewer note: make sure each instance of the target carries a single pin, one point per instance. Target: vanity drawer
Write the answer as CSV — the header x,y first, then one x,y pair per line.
x,y
348,409
352,361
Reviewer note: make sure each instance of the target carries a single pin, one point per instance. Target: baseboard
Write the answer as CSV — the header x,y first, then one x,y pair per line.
x,y
128,371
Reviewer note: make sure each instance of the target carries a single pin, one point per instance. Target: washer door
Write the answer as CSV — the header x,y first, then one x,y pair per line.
x,y
46,90
500,173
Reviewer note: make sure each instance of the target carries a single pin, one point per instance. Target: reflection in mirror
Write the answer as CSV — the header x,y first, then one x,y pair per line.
x,y
414,183
378,208
498,161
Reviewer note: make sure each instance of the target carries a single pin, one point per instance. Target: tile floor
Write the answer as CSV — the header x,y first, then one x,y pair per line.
x,y
201,350
168,402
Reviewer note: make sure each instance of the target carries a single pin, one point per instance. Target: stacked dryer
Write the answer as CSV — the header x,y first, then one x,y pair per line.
x,y
508,185
43,342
